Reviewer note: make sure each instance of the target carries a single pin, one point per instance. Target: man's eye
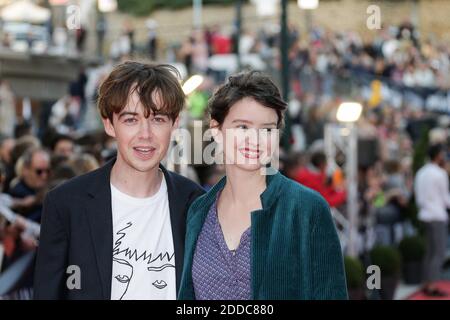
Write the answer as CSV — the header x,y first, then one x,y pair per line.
x,y
130,120
159,119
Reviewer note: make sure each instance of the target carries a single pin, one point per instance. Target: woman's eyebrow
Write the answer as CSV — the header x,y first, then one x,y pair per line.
x,y
270,124
241,120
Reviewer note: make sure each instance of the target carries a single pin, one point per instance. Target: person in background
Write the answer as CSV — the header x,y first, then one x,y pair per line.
x,y
6,148
314,176
33,172
431,188
63,145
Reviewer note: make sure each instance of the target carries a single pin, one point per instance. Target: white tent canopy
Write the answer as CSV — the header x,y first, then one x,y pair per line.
x,y
25,11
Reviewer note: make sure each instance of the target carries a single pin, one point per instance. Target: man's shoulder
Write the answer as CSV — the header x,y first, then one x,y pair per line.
x,y
182,183
79,184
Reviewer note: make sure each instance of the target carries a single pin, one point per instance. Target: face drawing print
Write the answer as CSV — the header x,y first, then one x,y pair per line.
x,y
159,267
123,272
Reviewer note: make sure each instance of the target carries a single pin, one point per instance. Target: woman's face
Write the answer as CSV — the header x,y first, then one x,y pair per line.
x,y
248,135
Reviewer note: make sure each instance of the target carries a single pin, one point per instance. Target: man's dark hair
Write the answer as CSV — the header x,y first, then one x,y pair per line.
x,y
434,151
60,137
253,84
146,80
22,129
318,159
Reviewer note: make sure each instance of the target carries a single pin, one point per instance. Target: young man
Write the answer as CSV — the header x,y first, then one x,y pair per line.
x,y
118,232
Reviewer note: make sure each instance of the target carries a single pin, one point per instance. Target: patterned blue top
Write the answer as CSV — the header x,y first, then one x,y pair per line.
x,y
219,273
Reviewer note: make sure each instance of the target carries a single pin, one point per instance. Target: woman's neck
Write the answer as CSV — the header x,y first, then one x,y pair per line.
x,y
243,187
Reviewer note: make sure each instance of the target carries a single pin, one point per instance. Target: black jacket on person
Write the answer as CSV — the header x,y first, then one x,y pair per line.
x,y
77,230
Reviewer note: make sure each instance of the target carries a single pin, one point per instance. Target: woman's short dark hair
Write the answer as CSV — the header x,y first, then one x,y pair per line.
x,y
146,79
252,84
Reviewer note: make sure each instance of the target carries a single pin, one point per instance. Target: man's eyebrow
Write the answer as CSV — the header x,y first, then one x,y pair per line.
x,y
161,113
127,113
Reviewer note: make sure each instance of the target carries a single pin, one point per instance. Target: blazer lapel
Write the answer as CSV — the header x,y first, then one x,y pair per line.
x,y
99,213
177,207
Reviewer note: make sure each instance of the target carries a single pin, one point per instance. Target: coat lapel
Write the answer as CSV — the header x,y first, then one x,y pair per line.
x,y
177,207
99,213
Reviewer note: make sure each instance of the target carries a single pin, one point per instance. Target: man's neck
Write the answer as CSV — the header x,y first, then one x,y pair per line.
x,y
135,183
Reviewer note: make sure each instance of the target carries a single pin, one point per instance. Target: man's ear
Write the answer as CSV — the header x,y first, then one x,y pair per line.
x,y
109,128
215,131
176,123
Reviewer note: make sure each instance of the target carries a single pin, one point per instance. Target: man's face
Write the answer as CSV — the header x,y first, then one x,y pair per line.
x,y
141,142
64,148
37,174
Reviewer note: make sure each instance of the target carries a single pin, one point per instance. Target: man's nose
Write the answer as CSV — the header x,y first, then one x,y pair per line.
x,y
145,130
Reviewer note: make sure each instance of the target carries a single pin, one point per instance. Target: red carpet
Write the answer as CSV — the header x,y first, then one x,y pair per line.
x,y
441,285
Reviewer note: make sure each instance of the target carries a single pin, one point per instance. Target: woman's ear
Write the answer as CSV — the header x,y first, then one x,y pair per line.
x,y
215,131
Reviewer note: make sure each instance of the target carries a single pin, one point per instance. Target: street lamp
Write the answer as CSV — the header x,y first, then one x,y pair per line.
x,y
103,6
192,84
266,8
308,6
348,113
107,5
197,14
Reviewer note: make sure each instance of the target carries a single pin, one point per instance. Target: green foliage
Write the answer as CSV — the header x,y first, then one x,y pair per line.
x,y
412,249
354,272
419,159
387,258
145,7
421,149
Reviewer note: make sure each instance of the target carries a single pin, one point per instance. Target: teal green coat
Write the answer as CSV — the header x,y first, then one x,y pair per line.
x,y
295,250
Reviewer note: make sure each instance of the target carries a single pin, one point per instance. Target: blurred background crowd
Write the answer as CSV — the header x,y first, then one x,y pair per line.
x,y
399,75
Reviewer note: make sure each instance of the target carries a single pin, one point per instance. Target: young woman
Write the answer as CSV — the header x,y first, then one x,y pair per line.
x,y
254,235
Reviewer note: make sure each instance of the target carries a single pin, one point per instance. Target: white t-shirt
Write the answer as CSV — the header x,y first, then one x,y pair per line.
x,y
143,252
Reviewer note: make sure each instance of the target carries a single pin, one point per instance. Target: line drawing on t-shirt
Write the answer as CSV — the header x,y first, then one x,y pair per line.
x,y
160,284
123,273
165,258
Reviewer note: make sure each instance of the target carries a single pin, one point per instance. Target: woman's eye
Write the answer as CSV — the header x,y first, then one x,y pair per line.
x,y
242,126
